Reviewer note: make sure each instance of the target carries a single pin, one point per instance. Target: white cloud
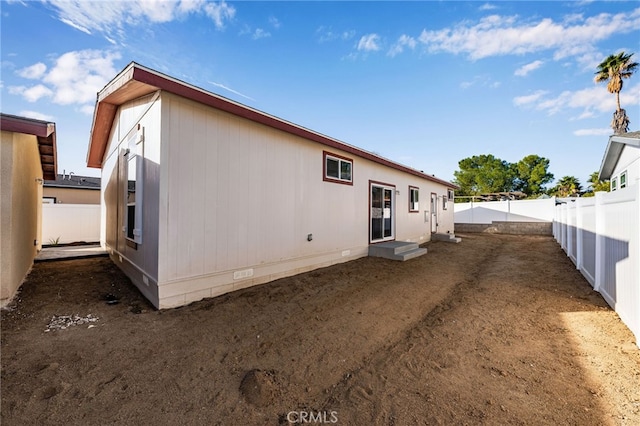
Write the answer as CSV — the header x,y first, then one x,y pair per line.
x,y
327,34
403,41
526,69
275,23
112,17
369,43
591,101
36,115
75,77
220,13
87,109
529,99
488,6
222,86
592,132
260,33
33,72
189,6
497,35
31,94
482,81
75,25
160,10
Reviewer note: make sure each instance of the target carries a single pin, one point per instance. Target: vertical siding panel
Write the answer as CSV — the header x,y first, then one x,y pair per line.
x,y
187,193
241,175
250,199
199,187
222,206
151,194
232,197
262,190
164,224
173,200
210,196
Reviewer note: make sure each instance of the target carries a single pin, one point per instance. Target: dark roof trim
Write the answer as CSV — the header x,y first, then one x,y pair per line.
x,y
614,150
136,81
73,181
44,131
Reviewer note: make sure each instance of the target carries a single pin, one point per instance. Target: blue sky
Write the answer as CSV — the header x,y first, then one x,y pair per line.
x,y
425,84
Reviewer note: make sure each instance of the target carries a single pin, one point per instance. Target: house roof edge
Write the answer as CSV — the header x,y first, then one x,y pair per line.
x,y
104,115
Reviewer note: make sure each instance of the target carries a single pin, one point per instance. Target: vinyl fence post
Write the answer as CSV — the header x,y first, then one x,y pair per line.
x,y
600,240
635,328
579,230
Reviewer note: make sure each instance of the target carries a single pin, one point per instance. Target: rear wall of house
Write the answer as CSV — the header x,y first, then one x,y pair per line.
x,y
239,200
20,209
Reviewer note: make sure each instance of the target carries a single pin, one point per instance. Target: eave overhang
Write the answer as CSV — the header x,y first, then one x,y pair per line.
x,y
614,149
45,133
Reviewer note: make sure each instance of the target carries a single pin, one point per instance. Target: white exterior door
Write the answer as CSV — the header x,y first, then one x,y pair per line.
x,y
382,213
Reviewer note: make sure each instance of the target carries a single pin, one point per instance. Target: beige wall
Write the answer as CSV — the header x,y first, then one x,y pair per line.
x,y
72,196
20,209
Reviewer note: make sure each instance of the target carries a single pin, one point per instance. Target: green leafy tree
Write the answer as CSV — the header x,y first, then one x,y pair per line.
x,y
567,186
613,70
482,174
532,174
596,185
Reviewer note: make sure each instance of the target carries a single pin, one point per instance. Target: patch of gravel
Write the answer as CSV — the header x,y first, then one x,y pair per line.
x,y
62,322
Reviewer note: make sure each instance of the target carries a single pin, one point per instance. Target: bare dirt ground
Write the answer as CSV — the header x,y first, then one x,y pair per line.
x,y
495,330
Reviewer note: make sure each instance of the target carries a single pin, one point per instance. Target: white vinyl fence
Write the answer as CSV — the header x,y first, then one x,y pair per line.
x,y
601,235
541,210
70,223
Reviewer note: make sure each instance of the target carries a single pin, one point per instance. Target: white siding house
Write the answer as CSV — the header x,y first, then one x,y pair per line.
x,y
621,162
202,195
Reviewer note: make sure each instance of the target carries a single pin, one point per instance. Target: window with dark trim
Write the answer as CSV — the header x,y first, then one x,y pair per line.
x,y
337,168
133,185
614,183
623,179
414,195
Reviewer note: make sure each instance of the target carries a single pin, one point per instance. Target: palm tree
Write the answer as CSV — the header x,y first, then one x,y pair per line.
x,y
596,185
567,186
613,70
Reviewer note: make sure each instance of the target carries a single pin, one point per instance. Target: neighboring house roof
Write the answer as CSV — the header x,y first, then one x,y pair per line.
x,y
136,81
614,150
73,182
44,131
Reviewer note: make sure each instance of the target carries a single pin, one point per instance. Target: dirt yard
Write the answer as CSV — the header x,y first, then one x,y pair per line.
x,y
495,330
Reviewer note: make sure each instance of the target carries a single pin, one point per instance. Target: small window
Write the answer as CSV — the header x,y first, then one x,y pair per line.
x,y
623,179
445,202
450,194
614,184
133,157
338,169
414,204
